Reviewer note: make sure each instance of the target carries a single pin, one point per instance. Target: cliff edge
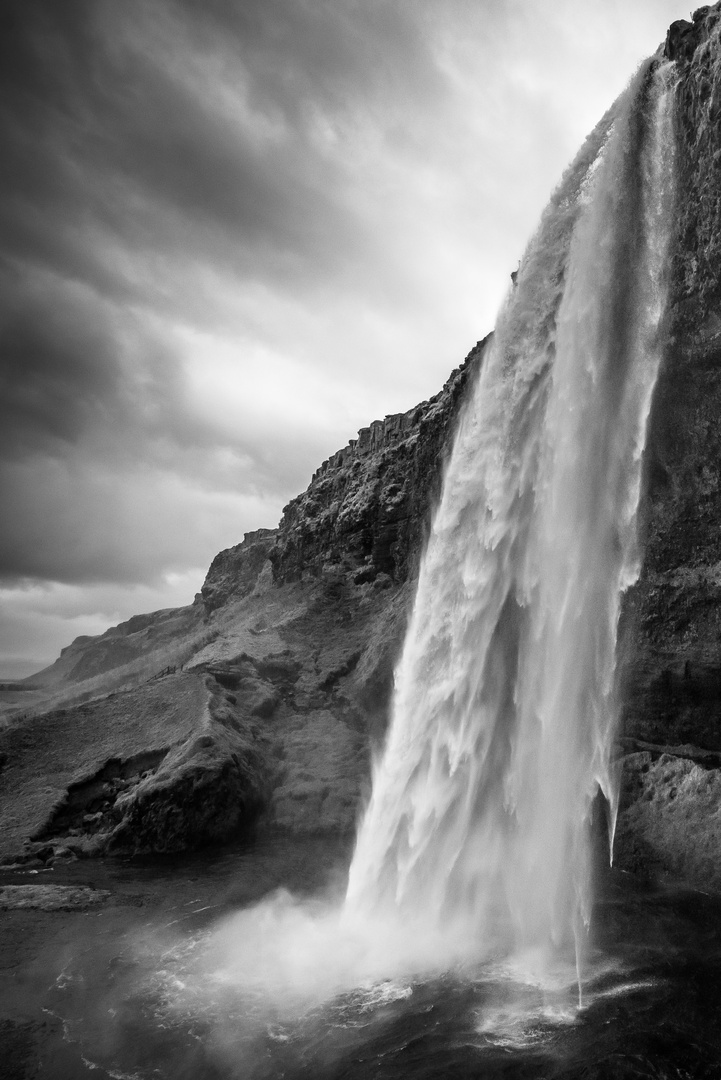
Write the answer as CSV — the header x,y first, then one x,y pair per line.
x,y
261,701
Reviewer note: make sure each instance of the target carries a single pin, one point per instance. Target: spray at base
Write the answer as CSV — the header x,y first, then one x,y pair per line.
x,y
474,850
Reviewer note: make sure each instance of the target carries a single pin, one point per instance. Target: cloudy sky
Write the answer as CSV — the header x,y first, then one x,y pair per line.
x,y
233,232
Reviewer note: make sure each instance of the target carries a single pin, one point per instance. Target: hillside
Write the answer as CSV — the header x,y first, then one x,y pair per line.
x,y
175,728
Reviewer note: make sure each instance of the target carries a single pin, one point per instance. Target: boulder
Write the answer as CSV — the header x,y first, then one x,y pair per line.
x,y
50,897
670,819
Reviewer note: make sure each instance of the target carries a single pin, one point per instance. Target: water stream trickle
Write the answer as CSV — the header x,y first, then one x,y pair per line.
x,y
477,830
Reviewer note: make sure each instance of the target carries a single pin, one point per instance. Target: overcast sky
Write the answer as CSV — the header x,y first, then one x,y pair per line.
x,y
235,231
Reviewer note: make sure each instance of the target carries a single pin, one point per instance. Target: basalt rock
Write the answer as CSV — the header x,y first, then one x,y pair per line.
x,y
671,630
206,792
672,622
367,507
234,572
670,818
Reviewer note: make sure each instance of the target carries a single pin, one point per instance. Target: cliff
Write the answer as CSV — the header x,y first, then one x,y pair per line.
x,y
672,621
262,698
290,646
367,507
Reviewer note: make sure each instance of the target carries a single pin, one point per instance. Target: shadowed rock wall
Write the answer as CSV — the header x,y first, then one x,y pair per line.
x,y
673,631
671,801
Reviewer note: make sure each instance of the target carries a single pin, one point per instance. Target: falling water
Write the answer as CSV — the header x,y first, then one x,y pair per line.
x,y
504,705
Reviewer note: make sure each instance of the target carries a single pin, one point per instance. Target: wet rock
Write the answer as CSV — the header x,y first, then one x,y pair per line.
x,y
50,897
680,40
86,847
63,852
671,624
670,819
367,507
265,704
320,779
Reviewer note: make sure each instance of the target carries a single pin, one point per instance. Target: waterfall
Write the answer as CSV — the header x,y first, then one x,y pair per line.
x,y
505,696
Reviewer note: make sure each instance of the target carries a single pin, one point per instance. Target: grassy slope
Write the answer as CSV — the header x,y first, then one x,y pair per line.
x,y
48,752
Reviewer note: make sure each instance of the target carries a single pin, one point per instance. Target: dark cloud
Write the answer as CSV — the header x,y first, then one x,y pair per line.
x,y
111,121
304,54
224,224
137,138
58,372
81,375
68,522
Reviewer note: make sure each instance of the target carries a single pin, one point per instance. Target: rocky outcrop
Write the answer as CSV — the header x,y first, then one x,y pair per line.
x,y
672,622
695,48
672,618
234,572
367,507
270,721
315,679
670,817
168,766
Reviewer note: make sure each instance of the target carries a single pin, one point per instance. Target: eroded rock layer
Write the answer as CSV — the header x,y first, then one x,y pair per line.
x,y
672,632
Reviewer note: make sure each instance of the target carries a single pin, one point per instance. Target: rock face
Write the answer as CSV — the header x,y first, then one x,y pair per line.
x,y
168,766
670,820
671,626
674,610
672,620
367,507
234,572
205,792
